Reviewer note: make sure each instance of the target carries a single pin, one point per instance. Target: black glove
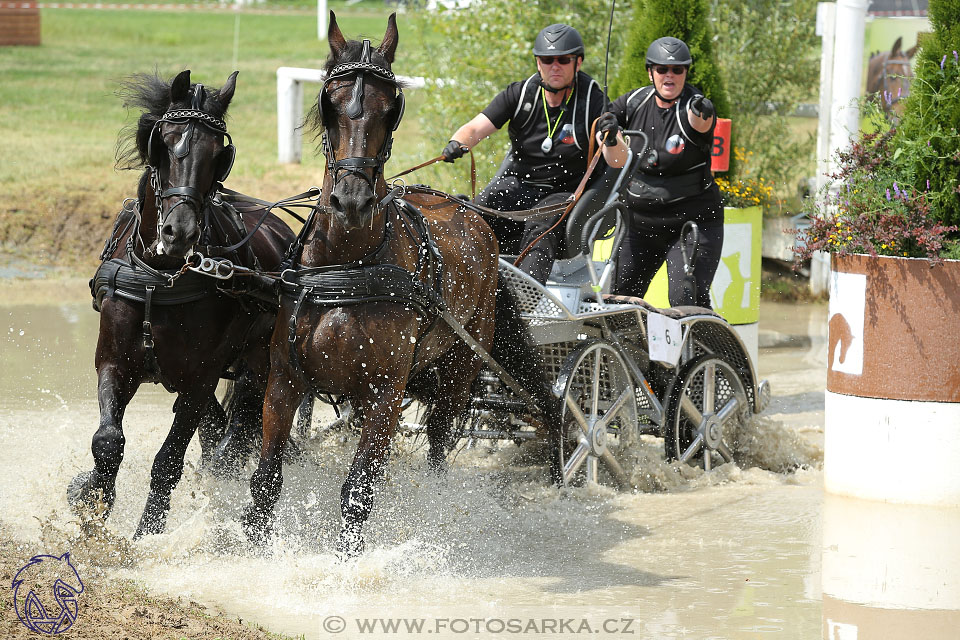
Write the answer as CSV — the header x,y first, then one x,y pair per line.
x,y
701,107
608,123
453,150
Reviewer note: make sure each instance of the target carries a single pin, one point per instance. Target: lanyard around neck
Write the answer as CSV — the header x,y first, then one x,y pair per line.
x,y
556,123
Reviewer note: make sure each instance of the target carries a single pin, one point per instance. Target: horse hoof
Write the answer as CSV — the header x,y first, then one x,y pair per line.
x,y
256,525
349,544
85,496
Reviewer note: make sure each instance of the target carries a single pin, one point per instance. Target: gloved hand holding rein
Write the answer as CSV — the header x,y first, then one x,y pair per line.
x,y
702,107
607,123
454,150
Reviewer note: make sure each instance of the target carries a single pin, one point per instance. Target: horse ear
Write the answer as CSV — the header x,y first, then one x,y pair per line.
x,y
335,37
912,51
180,86
388,47
226,91
896,47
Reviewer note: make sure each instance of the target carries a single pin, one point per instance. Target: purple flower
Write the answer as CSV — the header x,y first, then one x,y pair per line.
x,y
955,58
943,61
928,181
888,97
888,194
895,189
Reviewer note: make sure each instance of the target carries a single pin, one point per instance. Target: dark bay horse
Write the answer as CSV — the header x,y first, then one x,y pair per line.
x,y
366,309
889,76
160,320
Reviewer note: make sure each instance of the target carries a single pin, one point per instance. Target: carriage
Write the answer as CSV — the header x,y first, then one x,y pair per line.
x,y
621,367
589,372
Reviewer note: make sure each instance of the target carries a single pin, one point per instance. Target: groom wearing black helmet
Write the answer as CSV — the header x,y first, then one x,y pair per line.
x,y
673,183
550,114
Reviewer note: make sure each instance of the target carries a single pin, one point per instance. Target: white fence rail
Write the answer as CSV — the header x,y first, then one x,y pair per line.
x,y
290,107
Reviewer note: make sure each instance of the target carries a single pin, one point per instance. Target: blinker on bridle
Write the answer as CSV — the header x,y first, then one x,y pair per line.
x,y
354,110
191,116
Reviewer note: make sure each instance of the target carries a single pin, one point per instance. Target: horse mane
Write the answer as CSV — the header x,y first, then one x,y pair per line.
x,y
151,95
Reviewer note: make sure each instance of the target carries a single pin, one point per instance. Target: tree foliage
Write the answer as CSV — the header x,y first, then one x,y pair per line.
x,y
688,20
927,141
770,54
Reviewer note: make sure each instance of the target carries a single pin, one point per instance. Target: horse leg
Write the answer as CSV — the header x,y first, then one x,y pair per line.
x,y
213,425
168,463
356,496
456,372
284,392
115,388
245,425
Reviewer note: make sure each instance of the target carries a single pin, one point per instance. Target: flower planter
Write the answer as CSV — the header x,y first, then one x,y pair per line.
x,y
892,408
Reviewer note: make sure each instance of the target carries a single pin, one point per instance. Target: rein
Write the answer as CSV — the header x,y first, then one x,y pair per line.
x,y
473,172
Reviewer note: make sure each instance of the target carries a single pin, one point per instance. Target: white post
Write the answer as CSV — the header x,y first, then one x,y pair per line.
x,y
289,116
827,30
321,19
851,18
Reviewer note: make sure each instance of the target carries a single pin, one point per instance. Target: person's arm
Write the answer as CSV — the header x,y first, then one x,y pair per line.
x,y
468,136
611,140
700,113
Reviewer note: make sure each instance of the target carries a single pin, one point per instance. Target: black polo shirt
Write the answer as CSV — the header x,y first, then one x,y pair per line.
x,y
521,104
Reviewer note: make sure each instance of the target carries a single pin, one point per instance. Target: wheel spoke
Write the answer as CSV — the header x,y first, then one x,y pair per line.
x,y
593,469
613,410
724,451
614,467
574,461
728,410
578,416
692,449
686,403
709,387
595,397
707,455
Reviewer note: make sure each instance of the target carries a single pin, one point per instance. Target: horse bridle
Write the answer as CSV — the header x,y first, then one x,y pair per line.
x,y
192,116
886,76
357,165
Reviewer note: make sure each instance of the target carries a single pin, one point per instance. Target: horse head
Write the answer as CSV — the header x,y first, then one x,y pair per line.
x,y
188,151
889,75
358,109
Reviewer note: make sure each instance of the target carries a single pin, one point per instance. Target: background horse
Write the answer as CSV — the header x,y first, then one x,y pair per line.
x,y
160,321
889,76
360,317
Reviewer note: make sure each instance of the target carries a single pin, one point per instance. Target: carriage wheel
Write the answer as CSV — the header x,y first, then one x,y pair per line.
x,y
707,405
599,415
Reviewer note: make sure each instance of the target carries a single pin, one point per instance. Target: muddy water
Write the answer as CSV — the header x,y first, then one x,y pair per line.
x,y
486,551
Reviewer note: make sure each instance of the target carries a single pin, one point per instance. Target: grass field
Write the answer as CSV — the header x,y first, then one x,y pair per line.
x,y
60,116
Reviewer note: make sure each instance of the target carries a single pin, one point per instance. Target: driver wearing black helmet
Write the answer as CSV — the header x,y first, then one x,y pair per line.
x,y
550,114
673,183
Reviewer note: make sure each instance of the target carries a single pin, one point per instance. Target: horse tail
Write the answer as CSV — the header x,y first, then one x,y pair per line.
x,y
514,350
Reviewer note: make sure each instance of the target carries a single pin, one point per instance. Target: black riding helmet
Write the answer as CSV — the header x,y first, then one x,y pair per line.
x,y
669,51
558,40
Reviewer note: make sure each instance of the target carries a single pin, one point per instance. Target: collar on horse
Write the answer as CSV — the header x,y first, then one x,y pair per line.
x,y
356,165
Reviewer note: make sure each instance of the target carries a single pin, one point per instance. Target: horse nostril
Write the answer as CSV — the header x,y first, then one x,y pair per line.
x,y
367,203
336,204
166,233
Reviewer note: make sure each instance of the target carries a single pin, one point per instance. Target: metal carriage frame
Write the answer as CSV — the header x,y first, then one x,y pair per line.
x,y
596,352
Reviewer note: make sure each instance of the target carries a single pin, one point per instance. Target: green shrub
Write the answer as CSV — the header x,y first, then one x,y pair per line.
x,y
927,142
688,20
768,50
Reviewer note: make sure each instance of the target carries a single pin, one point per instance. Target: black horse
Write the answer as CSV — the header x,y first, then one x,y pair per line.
x,y
172,308
389,293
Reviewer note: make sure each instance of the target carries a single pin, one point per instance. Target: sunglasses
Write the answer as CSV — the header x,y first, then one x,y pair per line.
x,y
561,60
677,71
